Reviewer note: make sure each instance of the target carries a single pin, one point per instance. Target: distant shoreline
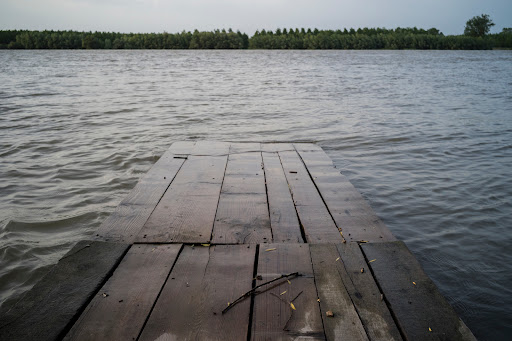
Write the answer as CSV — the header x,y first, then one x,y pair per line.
x,y
292,39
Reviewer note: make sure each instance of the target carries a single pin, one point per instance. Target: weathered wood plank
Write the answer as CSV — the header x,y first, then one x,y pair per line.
x,y
211,148
200,285
242,214
365,294
47,311
132,213
244,147
274,319
316,221
187,210
421,311
182,147
345,323
307,147
348,208
119,310
283,216
276,147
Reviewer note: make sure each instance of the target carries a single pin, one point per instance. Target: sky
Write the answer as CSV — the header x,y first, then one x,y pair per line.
x,y
172,16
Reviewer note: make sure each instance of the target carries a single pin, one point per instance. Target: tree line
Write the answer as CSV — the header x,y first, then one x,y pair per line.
x,y
363,38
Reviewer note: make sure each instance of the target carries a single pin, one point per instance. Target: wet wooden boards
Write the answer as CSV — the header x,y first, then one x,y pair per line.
x,y
120,308
51,306
238,241
421,311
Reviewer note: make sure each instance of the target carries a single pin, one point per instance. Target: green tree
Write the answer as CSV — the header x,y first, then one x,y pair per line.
x,y
478,26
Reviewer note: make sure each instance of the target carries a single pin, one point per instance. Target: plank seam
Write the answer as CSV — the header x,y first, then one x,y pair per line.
x,y
318,190
395,318
342,263
154,207
251,309
266,193
123,238
159,293
81,310
220,194
301,226
316,290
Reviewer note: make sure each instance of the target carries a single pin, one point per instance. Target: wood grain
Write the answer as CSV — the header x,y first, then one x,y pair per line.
x,y
420,309
283,216
182,147
274,319
129,217
345,323
315,218
244,147
348,208
187,210
276,147
47,311
201,284
211,148
120,308
365,294
242,214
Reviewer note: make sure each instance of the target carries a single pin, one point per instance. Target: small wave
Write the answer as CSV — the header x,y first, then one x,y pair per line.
x,y
49,226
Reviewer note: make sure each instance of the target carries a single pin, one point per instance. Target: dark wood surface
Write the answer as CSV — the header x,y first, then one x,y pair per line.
x,y
349,209
365,294
49,309
283,216
273,316
187,210
129,217
345,323
242,214
270,200
199,287
316,221
420,309
120,308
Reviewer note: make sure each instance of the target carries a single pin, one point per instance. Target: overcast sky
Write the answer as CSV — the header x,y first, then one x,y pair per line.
x,y
449,16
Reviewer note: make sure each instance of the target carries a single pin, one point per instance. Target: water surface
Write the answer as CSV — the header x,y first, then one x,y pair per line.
x,y
426,136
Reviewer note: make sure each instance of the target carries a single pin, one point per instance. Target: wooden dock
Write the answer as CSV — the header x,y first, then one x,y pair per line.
x,y
238,241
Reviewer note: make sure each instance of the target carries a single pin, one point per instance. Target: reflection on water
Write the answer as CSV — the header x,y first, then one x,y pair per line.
x,y
426,136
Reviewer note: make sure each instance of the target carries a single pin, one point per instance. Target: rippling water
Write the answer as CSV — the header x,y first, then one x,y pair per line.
x,y
426,136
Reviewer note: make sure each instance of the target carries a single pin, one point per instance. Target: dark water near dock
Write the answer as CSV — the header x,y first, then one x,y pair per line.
x,y
426,136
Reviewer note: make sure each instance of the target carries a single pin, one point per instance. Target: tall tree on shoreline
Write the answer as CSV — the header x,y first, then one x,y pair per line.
x,y
478,26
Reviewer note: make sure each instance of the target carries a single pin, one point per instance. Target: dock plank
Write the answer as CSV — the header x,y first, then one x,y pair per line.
x,y
345,323
274,319
242,214
420,309
211,148
182,147
348,208
119,309
129,217
283,216
276,147
48,310
365,293
244,147
200,285
186,212
316,221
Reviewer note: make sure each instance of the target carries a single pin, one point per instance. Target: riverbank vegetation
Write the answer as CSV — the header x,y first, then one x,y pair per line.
x,y
365,38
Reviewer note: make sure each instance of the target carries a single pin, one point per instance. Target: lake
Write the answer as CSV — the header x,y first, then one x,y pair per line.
x,y
426,136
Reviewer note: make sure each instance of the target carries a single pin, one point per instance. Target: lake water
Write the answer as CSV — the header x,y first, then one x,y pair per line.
x,y
426,136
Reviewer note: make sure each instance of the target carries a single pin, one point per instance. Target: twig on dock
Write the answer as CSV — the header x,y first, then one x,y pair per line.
x,y
248,293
